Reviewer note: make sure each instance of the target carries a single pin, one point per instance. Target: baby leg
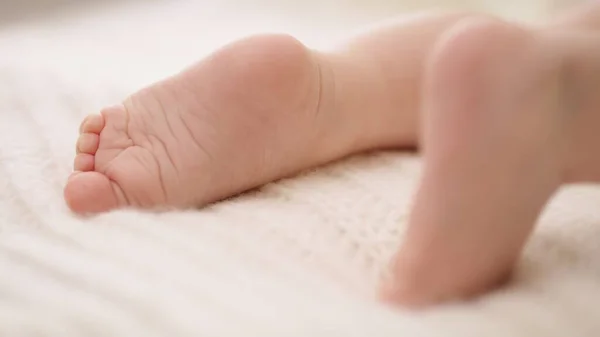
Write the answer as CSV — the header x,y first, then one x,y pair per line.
x,y
509,115
254,111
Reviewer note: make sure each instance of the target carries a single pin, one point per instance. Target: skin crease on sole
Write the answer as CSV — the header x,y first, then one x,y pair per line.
x,y
266,107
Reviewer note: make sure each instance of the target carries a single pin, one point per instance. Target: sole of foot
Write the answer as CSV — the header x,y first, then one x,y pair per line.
x,y
255,111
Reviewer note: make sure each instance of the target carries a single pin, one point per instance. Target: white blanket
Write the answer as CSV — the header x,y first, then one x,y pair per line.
x,y
297,258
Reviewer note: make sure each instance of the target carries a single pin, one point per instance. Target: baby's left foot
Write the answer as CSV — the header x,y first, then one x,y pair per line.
x,y
498,142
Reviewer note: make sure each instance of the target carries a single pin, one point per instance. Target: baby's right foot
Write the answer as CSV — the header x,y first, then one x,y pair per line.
x,y
253,112
511,115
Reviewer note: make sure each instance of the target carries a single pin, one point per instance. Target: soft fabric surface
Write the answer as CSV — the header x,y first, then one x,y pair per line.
x,y
297,258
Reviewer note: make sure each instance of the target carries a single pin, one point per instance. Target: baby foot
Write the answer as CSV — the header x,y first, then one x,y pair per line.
x,y
253,112
494,154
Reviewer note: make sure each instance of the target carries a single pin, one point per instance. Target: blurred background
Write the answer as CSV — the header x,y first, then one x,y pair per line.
x,y
13,11
87,53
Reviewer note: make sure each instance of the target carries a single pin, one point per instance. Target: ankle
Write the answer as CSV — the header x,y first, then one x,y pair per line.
x,y
346,87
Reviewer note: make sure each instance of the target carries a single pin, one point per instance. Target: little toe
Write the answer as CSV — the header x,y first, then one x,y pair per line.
x,y
83,162
88,143
92,124
90,192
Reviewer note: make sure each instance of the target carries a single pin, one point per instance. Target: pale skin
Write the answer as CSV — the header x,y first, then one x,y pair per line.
x,y
503,114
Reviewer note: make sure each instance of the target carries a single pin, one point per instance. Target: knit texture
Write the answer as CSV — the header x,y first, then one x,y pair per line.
x,y
300,257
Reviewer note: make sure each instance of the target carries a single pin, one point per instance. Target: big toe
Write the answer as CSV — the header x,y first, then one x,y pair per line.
x,y
90,192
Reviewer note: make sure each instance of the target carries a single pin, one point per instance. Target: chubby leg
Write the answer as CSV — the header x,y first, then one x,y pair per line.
x,y
508,119
492,141
379,76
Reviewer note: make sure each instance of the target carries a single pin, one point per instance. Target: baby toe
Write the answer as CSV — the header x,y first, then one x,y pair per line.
x,y
88,143
83,162
92,124
90,192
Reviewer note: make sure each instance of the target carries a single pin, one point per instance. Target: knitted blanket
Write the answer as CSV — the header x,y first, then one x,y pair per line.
x,y
299,257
